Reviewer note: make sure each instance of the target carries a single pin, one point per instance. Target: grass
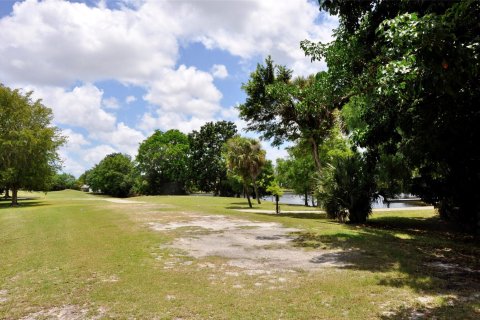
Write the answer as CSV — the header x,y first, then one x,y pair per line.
x,y
100,259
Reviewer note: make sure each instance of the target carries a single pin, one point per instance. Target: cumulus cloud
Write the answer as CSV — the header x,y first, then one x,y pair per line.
x,y
111,103
185,90
219,71
79,107
130,99
58,42
123,138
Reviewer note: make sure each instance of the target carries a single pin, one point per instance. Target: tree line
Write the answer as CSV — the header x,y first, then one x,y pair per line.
x,y
213,159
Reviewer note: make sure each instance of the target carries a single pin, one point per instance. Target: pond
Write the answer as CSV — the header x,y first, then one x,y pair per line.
x,y
407,201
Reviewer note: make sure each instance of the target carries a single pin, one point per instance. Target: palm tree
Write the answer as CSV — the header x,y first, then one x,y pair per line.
x,y
246,158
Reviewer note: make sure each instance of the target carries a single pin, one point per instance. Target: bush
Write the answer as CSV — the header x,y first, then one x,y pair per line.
x,y
345,189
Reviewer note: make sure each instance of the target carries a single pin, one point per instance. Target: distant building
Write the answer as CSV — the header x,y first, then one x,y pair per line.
x,y
85,188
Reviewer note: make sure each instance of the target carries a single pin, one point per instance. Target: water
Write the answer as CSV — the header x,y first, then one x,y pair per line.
x,y
291,198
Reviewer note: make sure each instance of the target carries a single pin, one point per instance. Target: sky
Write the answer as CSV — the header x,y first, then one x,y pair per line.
x,y
113,71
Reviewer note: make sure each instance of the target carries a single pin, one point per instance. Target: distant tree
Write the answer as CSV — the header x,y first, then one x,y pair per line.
x,y
277,191
297,172
265,178
28,143
113,175
163,163
245,158
209,172
62,181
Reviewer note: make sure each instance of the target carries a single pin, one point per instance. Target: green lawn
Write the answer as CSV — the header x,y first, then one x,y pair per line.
x,y
75,255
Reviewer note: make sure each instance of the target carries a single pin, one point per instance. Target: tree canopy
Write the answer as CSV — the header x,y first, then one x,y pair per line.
x,y
411,68
206,161
163,162
28,142
113,175
286,109
245,158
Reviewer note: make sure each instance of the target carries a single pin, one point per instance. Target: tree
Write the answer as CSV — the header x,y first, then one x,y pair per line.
x,y
297,172
414,66
28,143
282,108
113,175
209,172
62,181
245,158
163,162
275,189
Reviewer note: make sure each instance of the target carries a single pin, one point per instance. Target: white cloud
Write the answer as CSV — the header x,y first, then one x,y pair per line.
x,y
185,90
123,138
130,99
94,155
219,71
80,107
171,120
110,103
75,140
58,42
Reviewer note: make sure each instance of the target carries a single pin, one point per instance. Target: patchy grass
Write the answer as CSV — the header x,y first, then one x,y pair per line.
x,y
73,255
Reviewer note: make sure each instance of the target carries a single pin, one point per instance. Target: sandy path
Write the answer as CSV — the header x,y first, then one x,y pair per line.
x,y
257,246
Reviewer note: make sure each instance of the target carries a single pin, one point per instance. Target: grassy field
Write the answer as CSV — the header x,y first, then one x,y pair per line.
x,y
71,255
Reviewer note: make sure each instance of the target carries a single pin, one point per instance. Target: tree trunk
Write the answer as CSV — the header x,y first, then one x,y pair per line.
x,y
306,198
245,191
277,208
256,191
314,143
313,201
14,197
7,194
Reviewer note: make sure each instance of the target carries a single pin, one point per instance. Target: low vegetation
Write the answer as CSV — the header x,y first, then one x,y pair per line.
x,y
78,255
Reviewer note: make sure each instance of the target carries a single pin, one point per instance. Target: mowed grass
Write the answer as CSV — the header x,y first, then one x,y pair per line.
x,y
72,251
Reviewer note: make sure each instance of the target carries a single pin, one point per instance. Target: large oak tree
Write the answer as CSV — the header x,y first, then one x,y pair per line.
x,y
28,143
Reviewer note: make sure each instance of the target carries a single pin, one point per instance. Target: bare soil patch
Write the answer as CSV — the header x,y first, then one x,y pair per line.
x,y
247,244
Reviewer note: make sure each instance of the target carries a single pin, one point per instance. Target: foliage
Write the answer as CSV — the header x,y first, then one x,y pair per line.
x,y
265,178
297,172
282,108
62,181
114,175
209,172
245,158
277,191
163,162
345,189
414,68
28,142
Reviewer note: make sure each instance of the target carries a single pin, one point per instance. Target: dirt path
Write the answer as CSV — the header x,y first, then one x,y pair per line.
x,y
253,246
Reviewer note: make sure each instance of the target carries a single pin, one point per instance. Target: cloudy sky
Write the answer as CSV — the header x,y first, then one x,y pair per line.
x,y
114,71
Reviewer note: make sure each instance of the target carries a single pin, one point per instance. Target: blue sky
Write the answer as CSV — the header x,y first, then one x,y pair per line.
x,y
114,71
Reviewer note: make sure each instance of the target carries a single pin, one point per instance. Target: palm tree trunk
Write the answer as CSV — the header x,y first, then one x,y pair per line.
x,y
256,191
245,191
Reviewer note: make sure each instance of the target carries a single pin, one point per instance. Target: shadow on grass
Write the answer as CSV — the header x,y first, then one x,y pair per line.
x,y
6,204
454,308
422,254
300,215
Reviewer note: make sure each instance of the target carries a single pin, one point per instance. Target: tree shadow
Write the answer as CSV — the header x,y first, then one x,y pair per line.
x,y
454,308
410,254
299,215
21,204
